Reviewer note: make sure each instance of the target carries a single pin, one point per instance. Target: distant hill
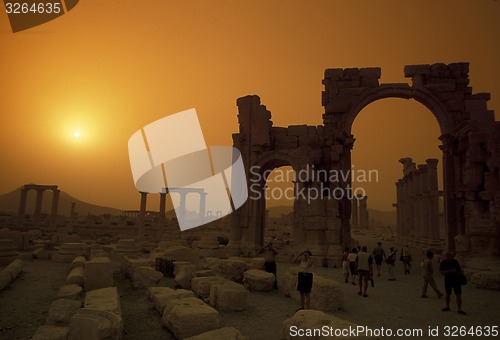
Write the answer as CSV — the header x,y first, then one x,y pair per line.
x,y
10,203
380,217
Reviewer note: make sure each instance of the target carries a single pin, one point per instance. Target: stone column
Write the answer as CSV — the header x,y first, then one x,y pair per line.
x,y
55,205
38,206
354,209
142,215
22,206
432,182
450,206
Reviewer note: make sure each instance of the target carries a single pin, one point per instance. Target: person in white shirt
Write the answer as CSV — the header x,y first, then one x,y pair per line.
x,y
305,278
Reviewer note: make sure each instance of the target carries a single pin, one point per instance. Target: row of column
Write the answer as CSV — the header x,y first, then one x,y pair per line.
x,y
38,203
417,204
359,212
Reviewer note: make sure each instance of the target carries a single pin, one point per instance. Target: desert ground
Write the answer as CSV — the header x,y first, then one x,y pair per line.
x,y
390,304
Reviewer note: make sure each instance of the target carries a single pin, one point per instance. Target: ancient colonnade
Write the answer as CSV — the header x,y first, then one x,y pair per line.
x,y
40,189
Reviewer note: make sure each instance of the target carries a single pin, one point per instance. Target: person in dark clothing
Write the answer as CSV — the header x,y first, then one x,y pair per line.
x,y
452,272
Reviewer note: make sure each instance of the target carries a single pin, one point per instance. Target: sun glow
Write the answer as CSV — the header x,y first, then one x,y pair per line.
x,y
76,134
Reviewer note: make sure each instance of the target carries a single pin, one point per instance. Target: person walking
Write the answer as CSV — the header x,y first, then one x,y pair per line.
x,y
305,278
345,264
452,272
270,261
364,269
379,256
391,263
407,260
428,275
353,255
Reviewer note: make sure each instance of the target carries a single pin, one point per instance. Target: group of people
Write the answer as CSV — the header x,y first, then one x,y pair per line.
x,y
356,258
358,263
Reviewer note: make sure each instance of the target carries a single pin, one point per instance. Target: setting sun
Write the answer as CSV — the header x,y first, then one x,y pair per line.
x,y
76,134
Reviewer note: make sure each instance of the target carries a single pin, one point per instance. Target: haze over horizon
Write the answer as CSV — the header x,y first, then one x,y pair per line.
x,y
75,89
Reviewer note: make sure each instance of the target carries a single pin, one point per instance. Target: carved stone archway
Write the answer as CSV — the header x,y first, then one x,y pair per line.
x,y
471,156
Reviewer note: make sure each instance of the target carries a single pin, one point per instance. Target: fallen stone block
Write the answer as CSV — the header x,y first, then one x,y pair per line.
x,y
486,280
89,324
71,292
190,320
226,333
14,268
47,332
40,254
201,285
211,263
184,274
145,277
76,276
229,296
160,299
259,280
79,261
308,319
5,280
152,291
98,274
187,301
207,272
61,311
130,265
232,269
183,254
104,299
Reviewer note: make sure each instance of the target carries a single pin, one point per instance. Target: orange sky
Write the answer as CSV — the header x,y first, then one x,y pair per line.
x,y
107,68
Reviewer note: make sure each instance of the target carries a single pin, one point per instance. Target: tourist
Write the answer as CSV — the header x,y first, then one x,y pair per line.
x,y
452,272
406,258
305,278
364,270
270,261
428,275
351,258
391,263
379,256
345,264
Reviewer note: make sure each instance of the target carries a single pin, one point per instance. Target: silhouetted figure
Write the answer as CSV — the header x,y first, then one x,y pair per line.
x,y
407,259
270,261
364,269
379,256
428,275
391,263
345,264
353,255
305,278
452,272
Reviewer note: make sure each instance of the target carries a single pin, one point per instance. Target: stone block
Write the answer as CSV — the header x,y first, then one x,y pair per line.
x,y
211,263
130,264
104,299
201,285
184,274
40,254
258,280
228,296
226,333
474,105
90,324
371,72
145,277
98,274
190,320
79,261
206,272
5,280
334,73
76,276
47,332
412,70
187,301
72,292
309,319
178,253
256,263
278,131
286,142
160,299
152,291
297,130
61,311
14,268
308,141
486,280
232,269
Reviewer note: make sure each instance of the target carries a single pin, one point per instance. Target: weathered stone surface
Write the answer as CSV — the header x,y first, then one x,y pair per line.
x,y
309,319
187,301
98,274
486,280
201,285
47,332
206,272
5,280
152,291
184,254
229,296
184,274
104,299
326,294
161,298
71,292
190,320
14,268
211,263
226,333
79,261
232,269
91,324
130,264
40,254
145,277
76,276
61,311
259,280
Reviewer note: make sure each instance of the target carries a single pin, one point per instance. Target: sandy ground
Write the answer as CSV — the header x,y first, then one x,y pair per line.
x,y
390,304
